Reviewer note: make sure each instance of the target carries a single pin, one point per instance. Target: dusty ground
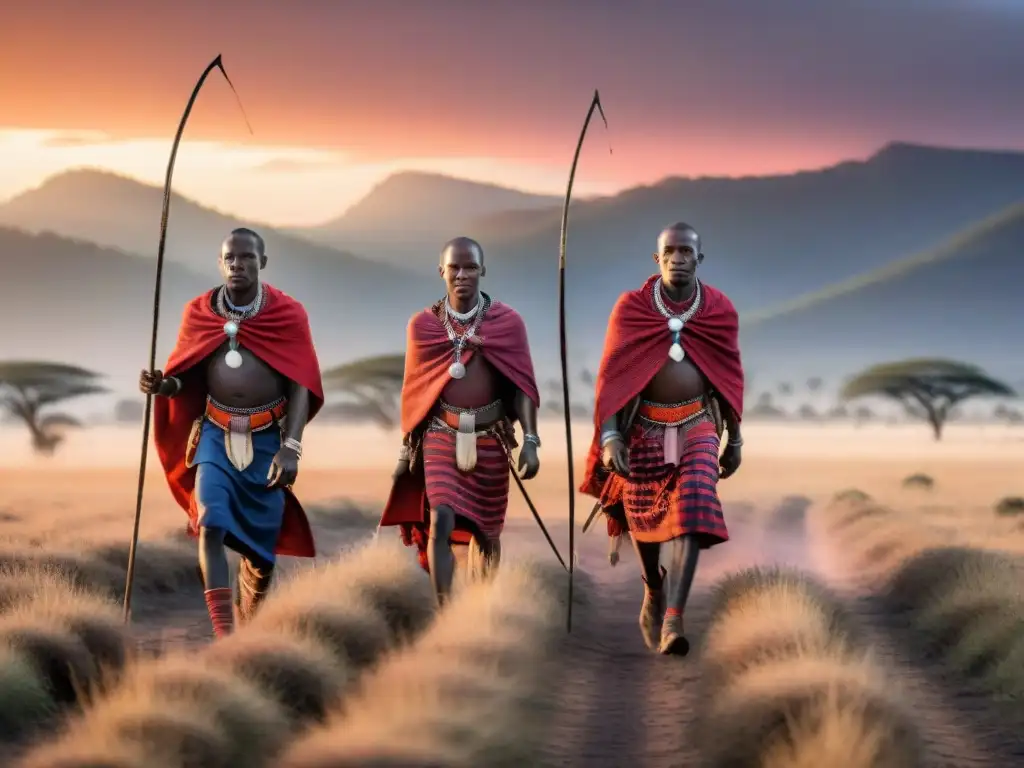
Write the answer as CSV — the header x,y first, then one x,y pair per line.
x,y
615,703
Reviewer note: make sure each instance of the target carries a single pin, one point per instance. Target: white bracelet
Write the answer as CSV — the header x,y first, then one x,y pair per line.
x,y
295,445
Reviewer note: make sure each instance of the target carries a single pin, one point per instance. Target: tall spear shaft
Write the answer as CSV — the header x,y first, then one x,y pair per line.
x,y
595,103
215,64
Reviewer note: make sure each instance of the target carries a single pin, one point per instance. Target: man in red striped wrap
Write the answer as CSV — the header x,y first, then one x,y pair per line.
x,y
670,380
468,378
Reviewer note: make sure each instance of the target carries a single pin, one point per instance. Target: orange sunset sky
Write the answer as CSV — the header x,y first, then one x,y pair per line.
x,y
340,94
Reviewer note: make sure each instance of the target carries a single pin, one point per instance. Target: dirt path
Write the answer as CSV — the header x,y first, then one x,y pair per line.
x,y
618,704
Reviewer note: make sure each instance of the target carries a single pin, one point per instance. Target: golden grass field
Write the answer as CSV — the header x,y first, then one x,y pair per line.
x,y
833,629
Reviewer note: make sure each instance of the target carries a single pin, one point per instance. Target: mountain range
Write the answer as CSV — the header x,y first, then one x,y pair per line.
x,y
407,217
802,255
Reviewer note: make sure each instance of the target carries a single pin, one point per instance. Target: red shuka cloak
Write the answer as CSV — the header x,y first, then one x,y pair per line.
x,y
501,339
280,336
636,347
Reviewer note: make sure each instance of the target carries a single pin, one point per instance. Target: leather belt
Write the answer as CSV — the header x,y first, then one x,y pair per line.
x,y
258,419
483,417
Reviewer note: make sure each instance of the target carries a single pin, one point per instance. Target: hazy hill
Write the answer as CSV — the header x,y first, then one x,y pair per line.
x,y
341,291
407,217
76,302
770,238
960,300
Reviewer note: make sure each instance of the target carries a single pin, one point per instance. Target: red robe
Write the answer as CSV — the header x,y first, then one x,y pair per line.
x,y
280,336
501,339
635,349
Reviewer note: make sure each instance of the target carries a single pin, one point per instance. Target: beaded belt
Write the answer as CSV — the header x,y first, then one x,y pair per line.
x,y
467,424
674,415
484,417
238,425
245,419
674,419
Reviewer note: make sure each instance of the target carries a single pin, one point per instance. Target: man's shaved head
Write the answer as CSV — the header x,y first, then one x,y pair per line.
x,y
680,230
261,247
463,244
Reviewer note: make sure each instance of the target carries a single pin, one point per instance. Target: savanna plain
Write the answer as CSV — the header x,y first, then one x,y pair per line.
x,y
868,611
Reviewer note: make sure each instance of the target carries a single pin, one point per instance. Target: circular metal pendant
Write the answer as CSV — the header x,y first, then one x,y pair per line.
x,y
675,324
457,370
676,353
231,328
233,359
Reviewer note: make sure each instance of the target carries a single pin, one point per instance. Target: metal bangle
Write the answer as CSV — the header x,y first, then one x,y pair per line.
x,y
736,443
177,385
531,438
295,445
609,436
404,453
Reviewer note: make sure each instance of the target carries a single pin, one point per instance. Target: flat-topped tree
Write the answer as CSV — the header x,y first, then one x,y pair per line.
x,y
375,383
927,388
28,387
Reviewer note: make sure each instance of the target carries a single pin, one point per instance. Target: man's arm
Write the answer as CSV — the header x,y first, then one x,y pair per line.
x,y
298,412
527,413
732,424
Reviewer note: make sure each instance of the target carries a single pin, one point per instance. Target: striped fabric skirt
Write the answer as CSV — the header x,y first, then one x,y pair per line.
x,y
478,498
665,500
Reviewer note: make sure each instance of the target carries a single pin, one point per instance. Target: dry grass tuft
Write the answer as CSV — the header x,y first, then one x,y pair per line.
x,y
185,711
239,700
968,606
919,481
1010,506
964,603
357,606
468,693
161,566
60,644
25,699
874,539
301,675
790,683
851,494
92,753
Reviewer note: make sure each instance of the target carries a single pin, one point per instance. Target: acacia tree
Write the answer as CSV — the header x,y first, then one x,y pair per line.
x,y
27,388
926,388
374,383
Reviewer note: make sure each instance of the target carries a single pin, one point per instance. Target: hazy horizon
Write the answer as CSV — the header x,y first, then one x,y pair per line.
x,y
337,98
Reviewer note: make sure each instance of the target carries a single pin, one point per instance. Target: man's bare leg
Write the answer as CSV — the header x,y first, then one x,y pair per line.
x,y
253,585
653,608
685,552
486,557
439,552
213,562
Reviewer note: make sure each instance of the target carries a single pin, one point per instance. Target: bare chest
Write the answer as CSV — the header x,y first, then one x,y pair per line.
x,y
479,387
252,384
676,382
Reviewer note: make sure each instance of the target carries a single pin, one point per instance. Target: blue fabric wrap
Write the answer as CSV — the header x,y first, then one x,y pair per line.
x,y
239,503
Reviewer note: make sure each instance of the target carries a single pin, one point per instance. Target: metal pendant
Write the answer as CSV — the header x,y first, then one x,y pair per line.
x,y
676,352
233,359
457,370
